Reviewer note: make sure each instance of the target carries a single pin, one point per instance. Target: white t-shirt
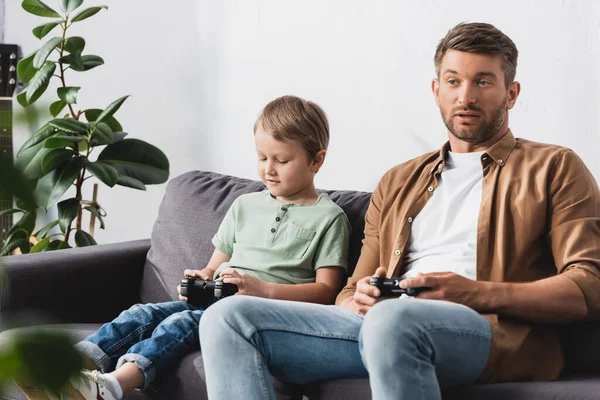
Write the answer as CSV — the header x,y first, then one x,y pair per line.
x,y
444,234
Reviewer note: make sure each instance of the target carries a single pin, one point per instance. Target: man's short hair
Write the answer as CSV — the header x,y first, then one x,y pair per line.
x,y
480,38
293,118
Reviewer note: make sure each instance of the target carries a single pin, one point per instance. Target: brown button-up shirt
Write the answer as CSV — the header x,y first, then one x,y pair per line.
x,y
539,216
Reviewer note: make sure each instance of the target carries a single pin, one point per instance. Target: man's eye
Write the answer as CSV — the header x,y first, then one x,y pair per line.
x,y
451,81
262,158
484,83
282,161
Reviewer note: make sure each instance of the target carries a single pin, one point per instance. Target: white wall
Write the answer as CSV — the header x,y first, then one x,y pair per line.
x,y
200,71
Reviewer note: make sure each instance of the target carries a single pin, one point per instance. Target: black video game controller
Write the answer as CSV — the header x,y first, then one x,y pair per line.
x,y
201,293
391,287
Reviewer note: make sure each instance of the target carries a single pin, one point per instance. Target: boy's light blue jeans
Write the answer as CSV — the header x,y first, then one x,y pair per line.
x,y
153,336
409,348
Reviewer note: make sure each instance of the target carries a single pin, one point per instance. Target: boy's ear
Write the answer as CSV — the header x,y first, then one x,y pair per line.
x,y
318,161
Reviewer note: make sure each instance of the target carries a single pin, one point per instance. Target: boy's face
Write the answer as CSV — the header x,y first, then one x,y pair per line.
x,y
284,167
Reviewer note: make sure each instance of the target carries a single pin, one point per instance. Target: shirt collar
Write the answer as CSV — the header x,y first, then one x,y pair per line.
x,y
499,152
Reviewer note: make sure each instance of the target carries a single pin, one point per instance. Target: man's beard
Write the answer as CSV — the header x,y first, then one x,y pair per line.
x,y
486,131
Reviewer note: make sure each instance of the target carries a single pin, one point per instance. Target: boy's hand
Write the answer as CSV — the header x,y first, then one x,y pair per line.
x,y
247,285
205,274
366,296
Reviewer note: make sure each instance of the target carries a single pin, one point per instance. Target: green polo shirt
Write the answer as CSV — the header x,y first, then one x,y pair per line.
x,y
283,242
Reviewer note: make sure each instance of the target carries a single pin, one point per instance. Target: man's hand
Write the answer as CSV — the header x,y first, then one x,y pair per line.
x,y
450,287
247,285
204,274
365,296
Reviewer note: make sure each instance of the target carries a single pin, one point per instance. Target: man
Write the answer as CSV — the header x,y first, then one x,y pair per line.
x,y
504,232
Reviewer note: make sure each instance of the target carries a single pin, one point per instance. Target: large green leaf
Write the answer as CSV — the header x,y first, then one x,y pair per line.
x,y
111,109
42,134
57,107
70,125
42,55
137,159
83,239
88,12
29,161
74,60
92,115
47,357
39,83
25,69
119,136
74,44
68,94
44,231
62,141
40,246
57,245
42,30
102,135
97,214
69,5
87,62
18,239
130,182
36,7
27,223
53,185
56,158
67,212
12,211
103,172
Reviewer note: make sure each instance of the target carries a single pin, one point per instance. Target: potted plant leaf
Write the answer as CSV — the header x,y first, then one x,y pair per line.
x,y
76,144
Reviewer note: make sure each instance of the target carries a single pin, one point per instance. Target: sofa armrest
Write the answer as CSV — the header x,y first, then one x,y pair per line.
x,y
84,285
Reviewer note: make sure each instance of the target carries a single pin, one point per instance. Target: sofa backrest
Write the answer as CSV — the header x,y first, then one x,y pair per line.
x,y
189,216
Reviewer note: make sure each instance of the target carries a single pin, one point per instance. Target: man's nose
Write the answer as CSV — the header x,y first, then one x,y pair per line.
x,y
467,95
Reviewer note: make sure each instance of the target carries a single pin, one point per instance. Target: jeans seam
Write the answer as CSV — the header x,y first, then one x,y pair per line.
x,y
263,384
255,329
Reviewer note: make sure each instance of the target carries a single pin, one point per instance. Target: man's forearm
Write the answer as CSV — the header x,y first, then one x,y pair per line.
x,y
555,300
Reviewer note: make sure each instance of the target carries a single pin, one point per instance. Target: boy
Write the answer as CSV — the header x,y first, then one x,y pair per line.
x,y
287,243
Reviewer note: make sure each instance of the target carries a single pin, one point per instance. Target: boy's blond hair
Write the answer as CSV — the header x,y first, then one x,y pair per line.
x,y
293,118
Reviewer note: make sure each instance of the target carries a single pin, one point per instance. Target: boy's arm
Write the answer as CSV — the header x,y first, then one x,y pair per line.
x,y
207,273
323,290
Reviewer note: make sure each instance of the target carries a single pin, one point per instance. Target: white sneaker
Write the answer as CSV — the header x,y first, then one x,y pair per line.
x,y
88,385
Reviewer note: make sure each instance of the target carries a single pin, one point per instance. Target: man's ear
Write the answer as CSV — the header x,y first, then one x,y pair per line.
x,y
317,161
435,89
513,93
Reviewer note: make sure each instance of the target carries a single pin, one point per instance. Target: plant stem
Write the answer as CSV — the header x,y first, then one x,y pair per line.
x,y
75,116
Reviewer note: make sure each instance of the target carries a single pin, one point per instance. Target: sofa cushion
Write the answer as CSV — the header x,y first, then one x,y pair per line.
x,y
573,388
190,214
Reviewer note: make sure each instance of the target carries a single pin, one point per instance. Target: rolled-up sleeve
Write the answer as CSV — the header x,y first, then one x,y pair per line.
x,y
575,226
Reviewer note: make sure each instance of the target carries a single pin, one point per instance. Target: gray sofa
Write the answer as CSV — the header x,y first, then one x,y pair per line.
x,y
78,289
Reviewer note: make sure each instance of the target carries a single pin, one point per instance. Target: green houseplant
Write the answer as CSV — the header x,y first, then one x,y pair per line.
x,y
59,154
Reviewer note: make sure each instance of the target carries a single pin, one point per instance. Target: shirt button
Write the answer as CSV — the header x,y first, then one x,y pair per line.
x,y
397,252
273,230
440,166
409,219
277,219
430,188
500,161
283,208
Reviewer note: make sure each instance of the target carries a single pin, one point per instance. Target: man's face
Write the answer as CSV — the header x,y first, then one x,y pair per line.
x,y
472,96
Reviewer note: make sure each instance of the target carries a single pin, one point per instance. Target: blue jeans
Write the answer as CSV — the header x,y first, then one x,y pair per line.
x,y
153,336
409,348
